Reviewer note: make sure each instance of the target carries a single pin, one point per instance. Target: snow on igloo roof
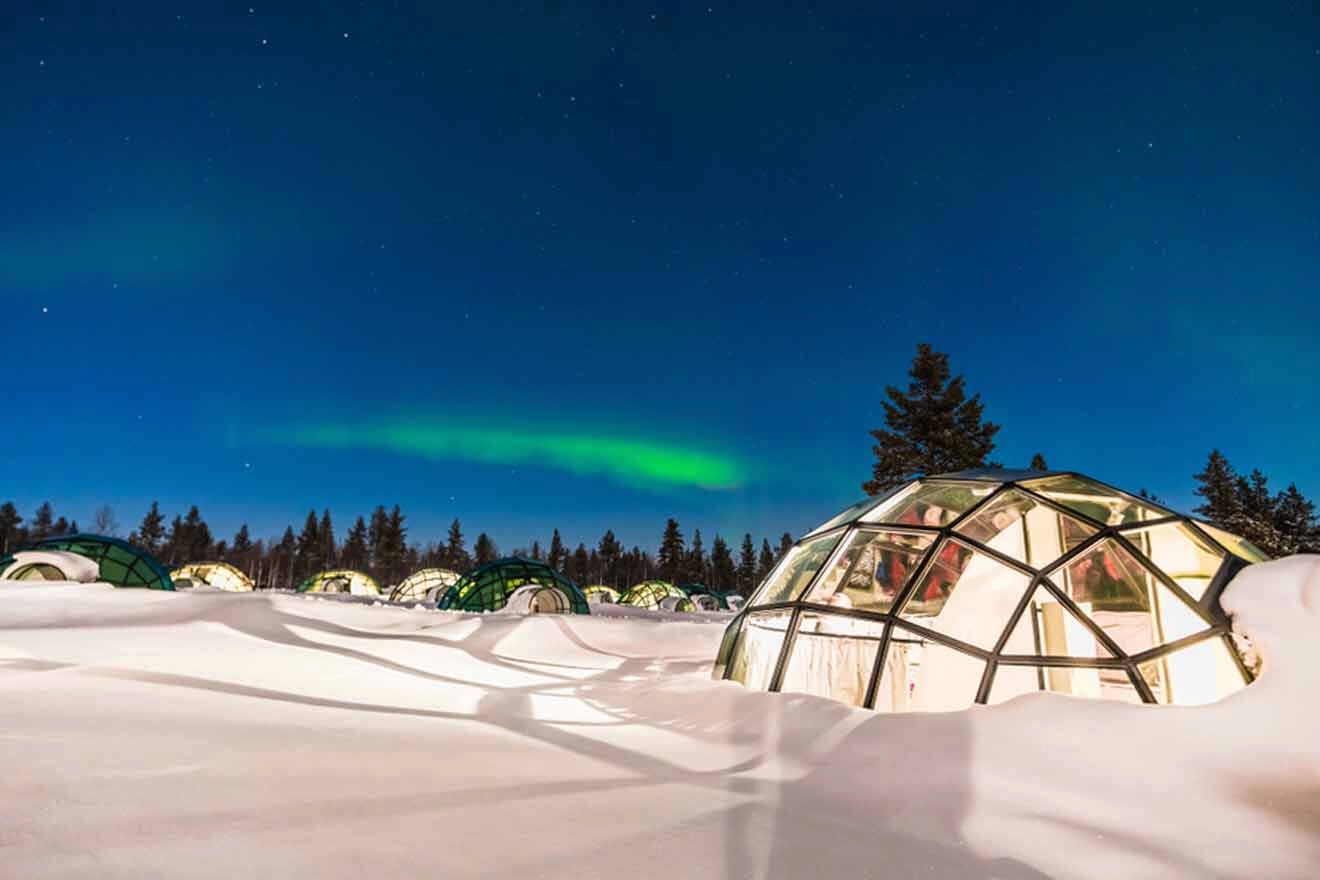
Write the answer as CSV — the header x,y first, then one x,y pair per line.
x,y
121,563
978,585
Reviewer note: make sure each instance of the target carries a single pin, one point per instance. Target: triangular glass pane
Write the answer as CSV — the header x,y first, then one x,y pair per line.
x,y
1048,629
930,504
1100,503
792,575
1240,547
872,569
1180,553
1125,600
1193,676
966,595
1019,526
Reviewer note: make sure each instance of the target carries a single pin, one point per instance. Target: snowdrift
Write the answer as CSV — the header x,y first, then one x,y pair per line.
x,y
227,735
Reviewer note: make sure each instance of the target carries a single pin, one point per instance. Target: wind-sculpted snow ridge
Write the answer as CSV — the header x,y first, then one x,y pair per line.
x,y
228,735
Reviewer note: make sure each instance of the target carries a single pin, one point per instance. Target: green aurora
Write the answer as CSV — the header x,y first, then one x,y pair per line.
x,y
641,463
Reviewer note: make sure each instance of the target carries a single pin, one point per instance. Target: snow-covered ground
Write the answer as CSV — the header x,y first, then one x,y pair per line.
x,y
150,734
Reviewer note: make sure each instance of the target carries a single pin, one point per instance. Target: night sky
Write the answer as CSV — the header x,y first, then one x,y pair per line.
x,y
576,266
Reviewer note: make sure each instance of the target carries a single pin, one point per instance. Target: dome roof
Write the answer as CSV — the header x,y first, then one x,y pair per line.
x,y
596,593
982,585
216,575
649,594
341,581
120,562
424,586
489,587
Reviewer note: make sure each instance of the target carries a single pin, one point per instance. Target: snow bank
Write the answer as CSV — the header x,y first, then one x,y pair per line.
x,y
221,735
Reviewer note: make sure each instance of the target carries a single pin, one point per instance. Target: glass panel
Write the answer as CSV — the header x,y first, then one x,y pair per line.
x,y
1100,503
1108,684
1240,547
930,504
1180,553
833,657
757,649
727,644
923,676
849,514
1048,628
1017,525
792,575
966,595
1126,601
871,570
1193,676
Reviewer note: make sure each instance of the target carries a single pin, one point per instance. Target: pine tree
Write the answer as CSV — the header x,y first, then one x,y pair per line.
x,y
1295,523
152,530
456,555
1257,514
610,552
934,427
10,520
199,541
394,547
579,565
241,553
43,523
1218,485
61,527
282,559
380,522
485,549
534,553
309,549
670,559
326,532
722,573
356,551
1038,463
696,559
785,544
765,561
747,566
558,555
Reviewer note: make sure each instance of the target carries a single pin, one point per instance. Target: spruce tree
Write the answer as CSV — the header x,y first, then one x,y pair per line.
x,y
43,523
534,553
62,527
765,561
933,427
747,566
672,554
380,522
456,555
356,553
1295,523
241,552
282,559
309,561
785,544
579,565
10,520
722,573
1218,486
151,531
1038,463
199,542
609,552
558,556
485,549
394,547
696,560
326,531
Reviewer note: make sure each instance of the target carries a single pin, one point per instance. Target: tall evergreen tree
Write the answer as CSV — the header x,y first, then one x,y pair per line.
x,y
696,559
282,560
242,552
196,542
379,525
747,566
394,547
610,552
723,575
932,428
1038,463
309,561
558,556
10,520
671,557
456,555
43,523
785,544
356,553
1295,523
765,561
534,553
151,532
326,532
579,564
62,527
1218,486
485,549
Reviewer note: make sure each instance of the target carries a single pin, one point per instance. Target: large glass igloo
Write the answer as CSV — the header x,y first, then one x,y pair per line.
x,y
516,584
120,562
978,586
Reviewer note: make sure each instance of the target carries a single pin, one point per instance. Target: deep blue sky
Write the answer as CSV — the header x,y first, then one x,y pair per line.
x,y
720,229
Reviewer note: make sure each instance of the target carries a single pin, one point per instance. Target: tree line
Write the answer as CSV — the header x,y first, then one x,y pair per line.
x,y
378,545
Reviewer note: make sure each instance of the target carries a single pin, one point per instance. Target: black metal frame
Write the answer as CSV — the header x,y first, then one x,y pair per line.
x,y
1207,608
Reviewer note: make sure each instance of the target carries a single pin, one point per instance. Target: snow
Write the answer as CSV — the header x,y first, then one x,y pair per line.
x,y
150,734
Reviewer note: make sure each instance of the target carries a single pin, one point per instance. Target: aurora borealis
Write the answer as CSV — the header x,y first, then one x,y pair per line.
x,y
587,266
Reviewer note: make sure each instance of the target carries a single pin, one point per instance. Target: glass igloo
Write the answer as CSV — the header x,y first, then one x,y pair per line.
x,y
657,595
978,586
215,575
120,562
355,583
424,586
601,594
522,585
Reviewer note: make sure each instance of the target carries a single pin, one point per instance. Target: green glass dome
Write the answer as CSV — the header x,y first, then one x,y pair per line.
x,y
121,563
491,586
705,598
652,594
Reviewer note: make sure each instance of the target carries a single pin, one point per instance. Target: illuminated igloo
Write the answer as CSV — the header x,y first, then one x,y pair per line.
x,y
978,586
